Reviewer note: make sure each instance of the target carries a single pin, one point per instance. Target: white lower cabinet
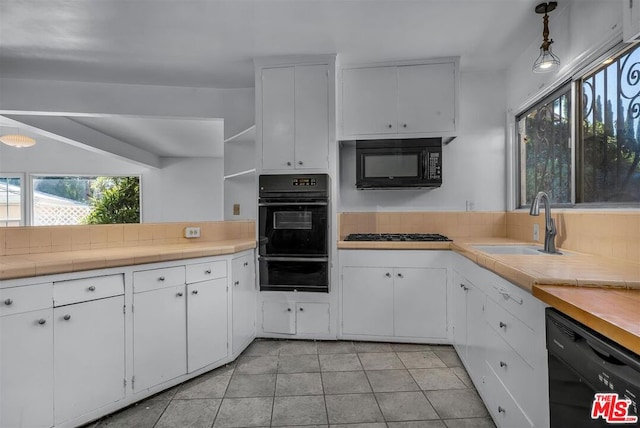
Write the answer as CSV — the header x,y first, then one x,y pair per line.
x,y
26,372
303,318
243,296
159,336
407,300
206,323
504,349
88,356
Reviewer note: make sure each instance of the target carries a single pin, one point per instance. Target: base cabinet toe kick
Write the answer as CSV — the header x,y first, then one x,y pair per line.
x,y
75,347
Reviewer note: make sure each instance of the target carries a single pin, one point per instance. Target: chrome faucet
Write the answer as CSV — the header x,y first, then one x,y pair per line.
x,y
550,224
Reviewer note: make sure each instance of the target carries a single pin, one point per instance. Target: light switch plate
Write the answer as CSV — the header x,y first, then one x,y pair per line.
x,y
536,232
236,209
192,232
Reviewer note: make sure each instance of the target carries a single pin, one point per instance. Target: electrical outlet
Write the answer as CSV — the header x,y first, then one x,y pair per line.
x,y
191,232
236,209
536,232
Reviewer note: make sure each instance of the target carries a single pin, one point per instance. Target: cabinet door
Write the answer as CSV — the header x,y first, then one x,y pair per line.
x,y
88,356
426,98
367,301
369,101
159,336
312,318
26,372
278,128
311,116
476,335
420,302
279,317
206,323
243,295
459,290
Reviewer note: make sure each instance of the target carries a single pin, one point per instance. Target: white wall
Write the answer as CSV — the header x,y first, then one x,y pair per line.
x,y
183,189
473,163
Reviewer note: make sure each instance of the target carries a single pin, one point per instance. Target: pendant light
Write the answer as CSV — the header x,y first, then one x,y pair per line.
x,y
17,140
546,61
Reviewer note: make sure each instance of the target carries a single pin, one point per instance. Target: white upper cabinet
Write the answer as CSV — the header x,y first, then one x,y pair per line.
x,y
395,101
294,108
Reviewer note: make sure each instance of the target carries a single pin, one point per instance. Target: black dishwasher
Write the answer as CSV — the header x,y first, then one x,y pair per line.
x,y
583,363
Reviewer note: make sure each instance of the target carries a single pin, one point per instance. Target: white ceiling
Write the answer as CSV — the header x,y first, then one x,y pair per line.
x,y
211,43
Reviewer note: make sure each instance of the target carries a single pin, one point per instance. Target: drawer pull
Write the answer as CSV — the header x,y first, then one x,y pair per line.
x,y
67,317
288,309
301,309
464,287
42,321
246,264
92,288
388,275
501,409
208,271
502,325
161,278
400,275
8,302
507,295
194,292
503,364
236,283
179,294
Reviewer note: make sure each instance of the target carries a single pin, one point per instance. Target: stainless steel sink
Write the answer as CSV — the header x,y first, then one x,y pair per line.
x,y
528,250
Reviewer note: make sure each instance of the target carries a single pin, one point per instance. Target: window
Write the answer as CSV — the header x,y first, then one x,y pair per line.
x,y
11,200
68,200
606,115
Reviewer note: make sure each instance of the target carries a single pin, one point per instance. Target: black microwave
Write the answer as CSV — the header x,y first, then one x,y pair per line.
x,y
397,164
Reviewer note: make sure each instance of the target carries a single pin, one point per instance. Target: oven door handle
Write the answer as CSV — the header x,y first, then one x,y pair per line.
x,y
290,204
294,259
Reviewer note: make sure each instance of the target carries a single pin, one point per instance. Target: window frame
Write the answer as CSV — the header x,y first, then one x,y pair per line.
x,y
23,196
574,79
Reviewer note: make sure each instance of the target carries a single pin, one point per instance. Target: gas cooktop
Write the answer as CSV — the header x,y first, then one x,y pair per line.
x,y
396,237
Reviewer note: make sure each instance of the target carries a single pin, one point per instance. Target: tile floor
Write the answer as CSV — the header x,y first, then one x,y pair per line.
x,y
278,383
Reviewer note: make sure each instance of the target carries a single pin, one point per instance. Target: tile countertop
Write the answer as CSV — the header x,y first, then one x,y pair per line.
x,y
602,293
28,265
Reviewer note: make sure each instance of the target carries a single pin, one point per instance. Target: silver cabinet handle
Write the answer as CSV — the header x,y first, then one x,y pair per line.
x,y
92,288
389,126
179,294
502,325
161,278
208,271
301,309
400,275
288,163
194,292
501,409
246,264
8,302
67,317
464,287
404,125
388,275
288,309
42,321
236,283
299,162
507,295
503,364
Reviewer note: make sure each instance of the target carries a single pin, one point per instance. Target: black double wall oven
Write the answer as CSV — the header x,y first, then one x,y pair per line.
x,y
293,225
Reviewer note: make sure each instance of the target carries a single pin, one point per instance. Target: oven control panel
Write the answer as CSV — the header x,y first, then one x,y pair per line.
x,y
303,182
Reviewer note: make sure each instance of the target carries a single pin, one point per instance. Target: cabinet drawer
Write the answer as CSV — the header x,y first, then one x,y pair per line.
x,y
516,375
514,332
515,300
145,280
85,289
16,300
205,271
505,411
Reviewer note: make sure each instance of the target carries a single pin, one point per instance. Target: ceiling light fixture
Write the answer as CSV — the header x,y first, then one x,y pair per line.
x,y
546,61
17,140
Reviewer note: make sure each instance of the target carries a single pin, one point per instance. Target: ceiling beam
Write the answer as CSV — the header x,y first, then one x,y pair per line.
x,y
71,132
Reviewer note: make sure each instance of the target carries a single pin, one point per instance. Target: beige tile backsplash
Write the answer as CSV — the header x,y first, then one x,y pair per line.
x,y
608,233
44,239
